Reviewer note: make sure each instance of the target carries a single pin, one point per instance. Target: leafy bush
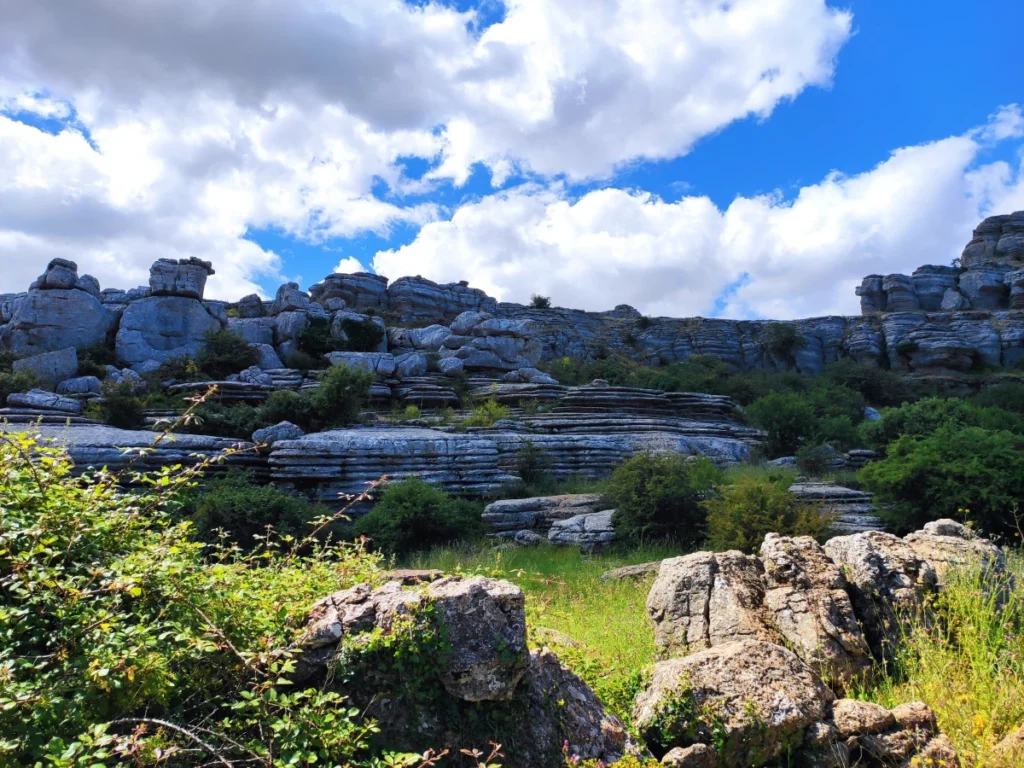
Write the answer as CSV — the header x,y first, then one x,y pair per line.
x,y
485,414
954,472
788,419
878,386
814,460
740,515
181,369
363,335
244,510
412,516
117,406
1007,396
780,339
531,462
93,360
304,361
15,382
111,615
540,302
839,432
928,415
658,496
340,397
315,341
223,353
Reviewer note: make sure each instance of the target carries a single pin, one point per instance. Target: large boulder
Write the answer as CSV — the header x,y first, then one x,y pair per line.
x,y
284,430
589,532
48,320
984,288
749,699
290,298
182,277
80,385
358,291
163,327
888,580
59,274
484,621
411,364
808,605
707,599
49,368
250,306
268,358
38,399
946,544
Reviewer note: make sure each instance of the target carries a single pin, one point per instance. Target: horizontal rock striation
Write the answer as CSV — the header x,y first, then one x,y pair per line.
x,y
854,510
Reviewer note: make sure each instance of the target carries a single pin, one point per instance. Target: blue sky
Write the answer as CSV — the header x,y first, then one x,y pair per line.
x,y
628,171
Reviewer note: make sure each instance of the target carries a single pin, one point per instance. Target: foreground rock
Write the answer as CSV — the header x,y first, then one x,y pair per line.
x,y
483,661
751,699
589,533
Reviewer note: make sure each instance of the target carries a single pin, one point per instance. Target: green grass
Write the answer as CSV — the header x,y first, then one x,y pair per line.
x,y
598,628
968,666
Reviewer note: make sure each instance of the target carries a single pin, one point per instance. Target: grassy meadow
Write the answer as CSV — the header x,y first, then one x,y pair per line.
x,y
968,666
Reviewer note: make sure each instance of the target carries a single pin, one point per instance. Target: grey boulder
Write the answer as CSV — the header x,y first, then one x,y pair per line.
x,y
44,401
82,385
49,368
163,327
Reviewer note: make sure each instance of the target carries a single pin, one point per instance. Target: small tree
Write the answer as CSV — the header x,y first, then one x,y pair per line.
x,y
412,516
658,496
224,353
540,302
742,514
118,406
787,418
531,462
780,339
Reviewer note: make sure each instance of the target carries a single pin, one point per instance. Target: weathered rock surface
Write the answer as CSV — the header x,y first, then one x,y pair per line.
x,y
80,385
707,599
507,517
377,363
49,368
284,430
854,510
808,605
946,544
184,277
53,319
589,533
44,401
752,698
162,327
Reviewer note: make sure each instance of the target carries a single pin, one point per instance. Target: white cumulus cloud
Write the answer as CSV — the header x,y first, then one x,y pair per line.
x,y
760,257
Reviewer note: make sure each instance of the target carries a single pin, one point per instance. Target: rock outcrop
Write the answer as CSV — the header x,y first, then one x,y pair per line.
x,y
484,662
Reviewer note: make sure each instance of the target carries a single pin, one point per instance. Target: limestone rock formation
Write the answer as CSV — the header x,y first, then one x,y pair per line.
x,y
589,533
49,368
708,599
946,544
159,328
854,510
751,698
184,277
508,517
44,401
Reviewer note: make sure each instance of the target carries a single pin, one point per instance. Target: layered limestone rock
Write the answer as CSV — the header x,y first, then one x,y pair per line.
x,y
94,446
853,510
507,517
984,279
184,277
591,532
56,313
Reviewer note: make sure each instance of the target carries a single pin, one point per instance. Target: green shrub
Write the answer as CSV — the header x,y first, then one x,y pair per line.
x,y
1008,397
531,462
239,420
304,361
409,413
15,382
363,335
223,353
485,414
814,460
181,369
315,341
831,400
839,432
93,360
412,516
243,510
878,386
780,339
788,419
658,496
928,415
540,302
341,396
110,613
954,472
117,406
740,515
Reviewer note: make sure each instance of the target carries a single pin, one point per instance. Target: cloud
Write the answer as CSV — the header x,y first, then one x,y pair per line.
x,y
348,265
761,257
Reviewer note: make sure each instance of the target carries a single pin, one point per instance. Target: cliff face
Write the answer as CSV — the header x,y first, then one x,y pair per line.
x,y
939,319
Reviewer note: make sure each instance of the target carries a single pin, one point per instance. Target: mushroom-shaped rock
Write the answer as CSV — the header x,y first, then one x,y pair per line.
x,y
182,277
707,599
750,698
